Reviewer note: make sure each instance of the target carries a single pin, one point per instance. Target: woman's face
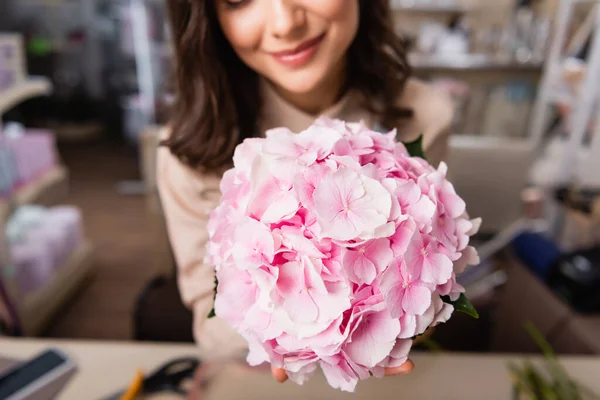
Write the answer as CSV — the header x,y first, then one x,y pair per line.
x,y
296,44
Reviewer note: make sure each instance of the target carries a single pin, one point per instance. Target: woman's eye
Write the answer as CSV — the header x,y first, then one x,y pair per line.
x,y
235,3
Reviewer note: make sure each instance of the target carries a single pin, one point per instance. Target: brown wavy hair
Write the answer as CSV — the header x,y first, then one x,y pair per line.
x,y
217,101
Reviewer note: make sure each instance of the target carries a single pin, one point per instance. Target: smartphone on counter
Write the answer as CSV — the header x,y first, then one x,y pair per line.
x,y
39,378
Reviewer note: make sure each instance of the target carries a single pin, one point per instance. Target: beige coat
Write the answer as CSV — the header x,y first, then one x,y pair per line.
x,y
188,197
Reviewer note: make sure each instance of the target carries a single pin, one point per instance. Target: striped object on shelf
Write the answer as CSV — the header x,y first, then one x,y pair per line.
x,y
34,153
41,240
8,171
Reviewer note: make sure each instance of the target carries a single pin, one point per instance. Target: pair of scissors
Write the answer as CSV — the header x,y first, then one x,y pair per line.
x,y
168,378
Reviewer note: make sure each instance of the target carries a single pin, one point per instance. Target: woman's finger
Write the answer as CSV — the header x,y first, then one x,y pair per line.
x,y
405,368
279,374
195,391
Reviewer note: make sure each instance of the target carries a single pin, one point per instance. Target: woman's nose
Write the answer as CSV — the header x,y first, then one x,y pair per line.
x,y
286,17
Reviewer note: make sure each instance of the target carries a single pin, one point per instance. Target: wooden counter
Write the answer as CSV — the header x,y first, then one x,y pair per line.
x,y
106,367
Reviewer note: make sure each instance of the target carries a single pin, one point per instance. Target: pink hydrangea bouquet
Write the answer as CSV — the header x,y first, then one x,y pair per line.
x,y
336,247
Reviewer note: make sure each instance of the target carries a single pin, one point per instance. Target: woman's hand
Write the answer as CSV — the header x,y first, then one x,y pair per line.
x,y
406,368
280,375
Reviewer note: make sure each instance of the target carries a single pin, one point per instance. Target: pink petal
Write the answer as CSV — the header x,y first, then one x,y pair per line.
x,y
383,327
376,198
280,133
291,278
235,295
343,227
282,206
332,197
400,352
303,374
360,371
333,303
265,279
294,239
469,257
280,142
472,255
262,323
343,148
371,171
301,308
461,242
453,204
391,184
417,324
424,321
312,277
304,191
254,245
319,140
294,363
304,184
422,211
257,354
476,225
290,343
443,315
408,326
360,268
463,225
402,238
349,205
340,376
263,195
408,193
380,252
436,269
373,340
416,245
246,152
383,231
370,213
416,299
393,298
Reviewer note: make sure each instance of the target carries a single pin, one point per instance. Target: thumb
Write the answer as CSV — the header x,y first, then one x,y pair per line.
x,y
279,374
403,369
195,391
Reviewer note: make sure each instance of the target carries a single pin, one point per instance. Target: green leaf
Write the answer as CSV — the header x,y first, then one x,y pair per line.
x,y
462,305
551,381
539,339
212,314
415,148
563,383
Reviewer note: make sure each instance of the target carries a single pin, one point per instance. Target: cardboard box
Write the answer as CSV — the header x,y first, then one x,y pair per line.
x,y
527,299
580,336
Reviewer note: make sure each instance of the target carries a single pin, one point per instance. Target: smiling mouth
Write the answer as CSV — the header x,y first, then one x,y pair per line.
x,y
300,48
299,55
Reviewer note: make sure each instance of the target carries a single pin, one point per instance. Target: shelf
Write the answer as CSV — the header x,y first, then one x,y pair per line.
x,y
28,89
500,143
410,6
46,190
489,173
471,62
39,307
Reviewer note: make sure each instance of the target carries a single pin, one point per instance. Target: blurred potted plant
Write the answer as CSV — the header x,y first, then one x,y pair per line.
x,y
548,381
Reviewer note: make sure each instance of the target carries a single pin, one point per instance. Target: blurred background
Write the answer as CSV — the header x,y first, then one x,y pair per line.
x,y
84,89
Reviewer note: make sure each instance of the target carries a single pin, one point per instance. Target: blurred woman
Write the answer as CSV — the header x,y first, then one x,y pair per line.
x,y
245,66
